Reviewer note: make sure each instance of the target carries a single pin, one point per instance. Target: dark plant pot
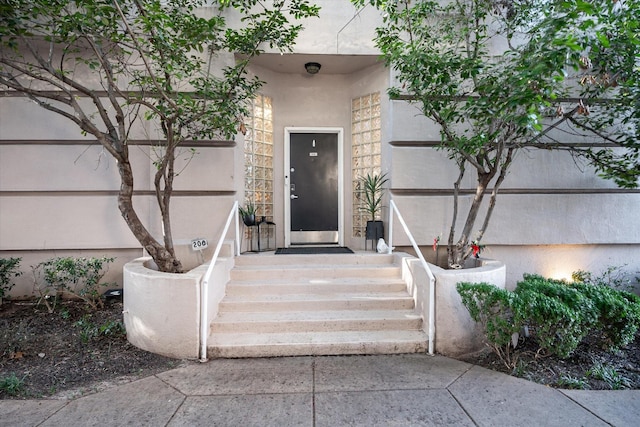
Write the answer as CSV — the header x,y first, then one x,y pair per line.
x,y
249,220
374,230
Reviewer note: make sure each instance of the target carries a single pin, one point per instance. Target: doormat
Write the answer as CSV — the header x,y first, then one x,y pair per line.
x,y
312,250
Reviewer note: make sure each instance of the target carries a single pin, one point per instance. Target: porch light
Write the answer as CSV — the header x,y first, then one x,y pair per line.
x,y
312,67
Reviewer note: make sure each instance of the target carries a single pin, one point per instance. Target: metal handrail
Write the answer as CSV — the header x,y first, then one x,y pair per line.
x,y
204,284
432,279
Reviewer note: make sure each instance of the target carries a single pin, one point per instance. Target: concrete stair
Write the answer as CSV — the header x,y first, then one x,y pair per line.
x,y
294,305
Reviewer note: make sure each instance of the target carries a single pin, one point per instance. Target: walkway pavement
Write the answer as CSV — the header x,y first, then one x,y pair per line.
x,y
399,390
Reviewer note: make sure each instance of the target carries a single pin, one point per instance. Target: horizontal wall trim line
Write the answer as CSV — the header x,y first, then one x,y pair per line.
x,y
558,146
11,93
83,193
74,249
462,98
415,143
188,143
515,191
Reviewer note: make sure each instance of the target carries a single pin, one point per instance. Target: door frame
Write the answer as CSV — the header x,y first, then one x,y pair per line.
x,y
287,180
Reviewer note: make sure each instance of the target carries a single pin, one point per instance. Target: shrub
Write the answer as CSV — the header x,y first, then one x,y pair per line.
x,y
614,277
492,307
618,313
560,314
79,277
8,272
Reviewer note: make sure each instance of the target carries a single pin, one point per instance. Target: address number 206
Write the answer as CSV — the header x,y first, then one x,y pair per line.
x,y
199,244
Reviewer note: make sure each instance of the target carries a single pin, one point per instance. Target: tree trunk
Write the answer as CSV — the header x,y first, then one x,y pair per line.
x,y
460,252
165,260
452,229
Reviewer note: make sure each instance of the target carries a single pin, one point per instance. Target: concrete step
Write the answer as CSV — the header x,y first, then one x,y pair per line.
x,y
315,272
309,302
233,345
358,258
288,305
316,286
316,321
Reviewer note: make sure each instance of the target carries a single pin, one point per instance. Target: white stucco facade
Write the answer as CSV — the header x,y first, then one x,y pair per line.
x,y
58,189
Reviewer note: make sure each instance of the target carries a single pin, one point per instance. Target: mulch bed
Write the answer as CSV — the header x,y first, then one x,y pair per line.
x,y
69,352
590,366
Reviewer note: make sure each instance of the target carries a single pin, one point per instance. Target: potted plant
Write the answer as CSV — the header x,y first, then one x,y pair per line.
x,y
372,186
248,214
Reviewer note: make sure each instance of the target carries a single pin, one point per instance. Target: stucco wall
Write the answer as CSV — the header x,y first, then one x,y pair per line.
x,y
341,29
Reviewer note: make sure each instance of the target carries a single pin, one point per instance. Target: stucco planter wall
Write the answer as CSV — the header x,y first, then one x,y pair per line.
x,y
456,333
162,310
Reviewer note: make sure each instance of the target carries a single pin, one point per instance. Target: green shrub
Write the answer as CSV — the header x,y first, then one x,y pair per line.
x,y
614,277
79,277
560,314
492,307
8,271
618,313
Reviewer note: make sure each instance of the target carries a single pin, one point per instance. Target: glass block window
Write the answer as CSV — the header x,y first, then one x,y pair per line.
x,y
258,157
365,150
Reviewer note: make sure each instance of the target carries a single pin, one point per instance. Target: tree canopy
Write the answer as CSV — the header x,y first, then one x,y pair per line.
x,y
107,65
499,77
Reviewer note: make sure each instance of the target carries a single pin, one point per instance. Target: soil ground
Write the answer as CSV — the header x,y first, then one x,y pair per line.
x,y
69,352
590,366
74,351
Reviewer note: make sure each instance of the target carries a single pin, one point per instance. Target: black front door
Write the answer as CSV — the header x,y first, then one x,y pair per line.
x,y
314,194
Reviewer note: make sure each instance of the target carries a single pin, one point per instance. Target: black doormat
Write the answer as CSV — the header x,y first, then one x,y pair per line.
x,y
313,250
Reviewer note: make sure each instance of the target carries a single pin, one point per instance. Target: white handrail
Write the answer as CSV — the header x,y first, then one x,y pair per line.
x,y
432,279
204,284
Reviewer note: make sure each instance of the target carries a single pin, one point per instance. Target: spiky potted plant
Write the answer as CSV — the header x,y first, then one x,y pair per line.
x,y
372,186
248,214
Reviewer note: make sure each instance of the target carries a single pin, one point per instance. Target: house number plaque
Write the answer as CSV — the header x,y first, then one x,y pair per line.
x,y
199,244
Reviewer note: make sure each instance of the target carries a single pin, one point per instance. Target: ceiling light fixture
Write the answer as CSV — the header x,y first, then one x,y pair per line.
x,y
312,67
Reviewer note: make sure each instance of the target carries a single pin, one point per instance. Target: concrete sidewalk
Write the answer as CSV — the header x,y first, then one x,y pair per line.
x,y
386,390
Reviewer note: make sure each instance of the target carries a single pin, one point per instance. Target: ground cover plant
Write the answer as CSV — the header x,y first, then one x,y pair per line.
x,y
584,333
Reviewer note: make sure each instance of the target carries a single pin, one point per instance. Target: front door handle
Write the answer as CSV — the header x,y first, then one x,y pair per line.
x,y
293,196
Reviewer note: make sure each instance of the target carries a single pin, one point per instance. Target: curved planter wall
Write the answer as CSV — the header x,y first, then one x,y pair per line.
x,y
161,310
456,333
